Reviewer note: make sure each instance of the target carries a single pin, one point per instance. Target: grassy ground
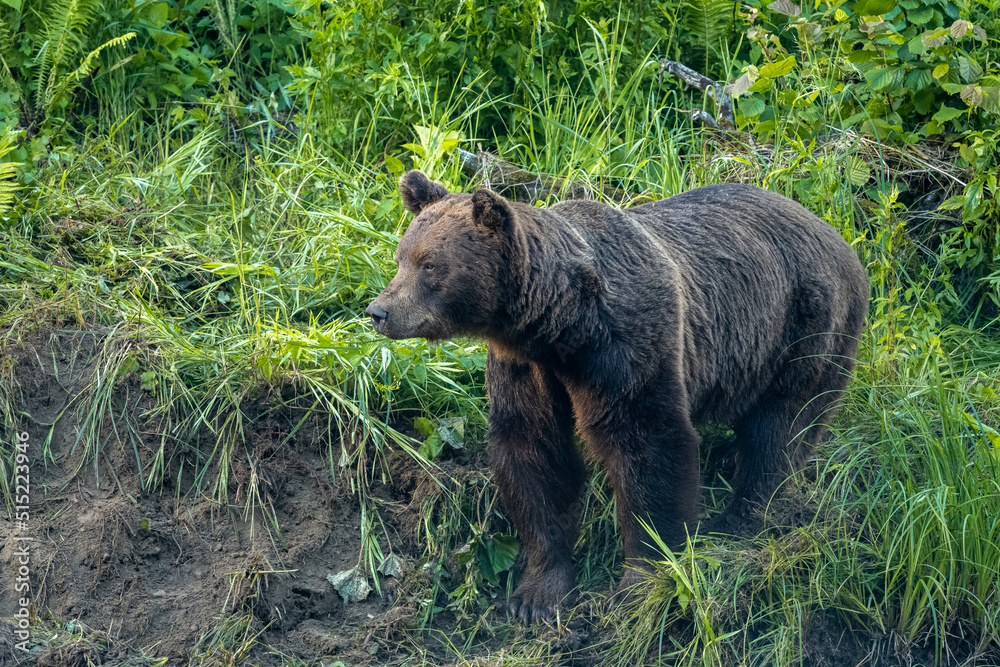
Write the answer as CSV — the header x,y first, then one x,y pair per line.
x,y
218,272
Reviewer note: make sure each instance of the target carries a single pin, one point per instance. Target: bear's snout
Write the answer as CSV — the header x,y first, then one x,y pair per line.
x,y
378,315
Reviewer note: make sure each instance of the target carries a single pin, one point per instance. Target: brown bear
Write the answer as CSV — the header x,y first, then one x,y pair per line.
x,y
726,304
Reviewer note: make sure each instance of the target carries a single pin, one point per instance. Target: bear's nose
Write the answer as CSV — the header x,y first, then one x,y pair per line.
x,y
377,312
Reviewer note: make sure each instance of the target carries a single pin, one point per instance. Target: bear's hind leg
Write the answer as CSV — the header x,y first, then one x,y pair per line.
x,y
650,452
776,436
540,477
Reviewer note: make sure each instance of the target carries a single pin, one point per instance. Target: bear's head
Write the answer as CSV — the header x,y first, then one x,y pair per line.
x,y
453,264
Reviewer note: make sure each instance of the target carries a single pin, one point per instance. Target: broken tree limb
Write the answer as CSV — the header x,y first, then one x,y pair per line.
x,y
514,182
713,89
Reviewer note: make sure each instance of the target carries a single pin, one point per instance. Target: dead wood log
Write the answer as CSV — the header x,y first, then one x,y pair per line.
x,y
724,103
514,182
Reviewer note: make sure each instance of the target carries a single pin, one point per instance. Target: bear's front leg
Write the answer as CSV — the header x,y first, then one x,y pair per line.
x,y
540,476
649,449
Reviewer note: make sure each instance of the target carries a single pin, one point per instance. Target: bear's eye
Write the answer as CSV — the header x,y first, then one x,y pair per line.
x,y
428,267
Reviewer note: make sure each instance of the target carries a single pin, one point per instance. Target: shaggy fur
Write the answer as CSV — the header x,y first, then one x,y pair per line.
x,y
725,304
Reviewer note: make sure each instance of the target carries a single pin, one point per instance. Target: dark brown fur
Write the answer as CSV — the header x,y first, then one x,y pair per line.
x,y
724,304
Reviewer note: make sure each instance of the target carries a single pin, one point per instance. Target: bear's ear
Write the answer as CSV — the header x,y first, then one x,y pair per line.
x,y
419,192
491,210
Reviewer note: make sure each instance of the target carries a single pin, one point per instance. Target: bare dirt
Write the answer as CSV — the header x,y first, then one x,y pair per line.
x,y
130,572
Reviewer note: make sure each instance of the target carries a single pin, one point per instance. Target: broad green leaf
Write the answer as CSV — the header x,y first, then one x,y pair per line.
x,y
991,98
856,171
968,153
884,127
931,128
919,79
382,211
840,15
423,134
882,78
874,7
972,95
947,113
452,431
941,70
504,552
424,427
991,433
751,107
969,69
432,447
924,99
780,68
420,373
158,13
960,28
786,7
916,46
395,166
416,148
920,15
761,85
952,203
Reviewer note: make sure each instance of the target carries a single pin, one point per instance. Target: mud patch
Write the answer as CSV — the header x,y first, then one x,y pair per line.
x,y
126,571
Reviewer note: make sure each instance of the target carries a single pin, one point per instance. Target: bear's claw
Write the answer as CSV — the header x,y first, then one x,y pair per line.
x,y
728,523
537,598
625,590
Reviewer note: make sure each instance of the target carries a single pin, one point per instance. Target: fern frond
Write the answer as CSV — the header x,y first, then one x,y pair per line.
x,y
6,46
707,22
7,171
68,83
55,21
65,23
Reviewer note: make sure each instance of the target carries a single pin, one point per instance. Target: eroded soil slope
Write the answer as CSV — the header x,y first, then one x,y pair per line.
x,y
160,570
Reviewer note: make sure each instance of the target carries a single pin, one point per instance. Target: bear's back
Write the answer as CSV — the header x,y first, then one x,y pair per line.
x,y
748,260
732,211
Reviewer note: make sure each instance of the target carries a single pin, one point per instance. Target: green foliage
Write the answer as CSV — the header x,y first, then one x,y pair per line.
x,y
69,59
449,432
464,554
707,23
7,171
375,63
915,61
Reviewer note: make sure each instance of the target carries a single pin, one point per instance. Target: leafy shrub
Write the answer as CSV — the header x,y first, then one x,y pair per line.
x,y
870,68
86,59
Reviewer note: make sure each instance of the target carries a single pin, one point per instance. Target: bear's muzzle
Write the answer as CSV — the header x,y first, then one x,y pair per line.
x,y
378,315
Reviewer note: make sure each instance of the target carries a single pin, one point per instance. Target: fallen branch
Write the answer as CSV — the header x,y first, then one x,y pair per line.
x,y
519,184
713,89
